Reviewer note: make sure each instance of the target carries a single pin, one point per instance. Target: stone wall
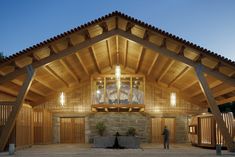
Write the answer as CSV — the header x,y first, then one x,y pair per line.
x,y
56,129
120,122
181,133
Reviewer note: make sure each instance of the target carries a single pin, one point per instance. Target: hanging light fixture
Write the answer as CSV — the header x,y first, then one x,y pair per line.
x,y
173,99
62,99
118,73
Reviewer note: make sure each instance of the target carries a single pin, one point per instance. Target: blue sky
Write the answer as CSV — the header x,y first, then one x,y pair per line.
x,y
208,23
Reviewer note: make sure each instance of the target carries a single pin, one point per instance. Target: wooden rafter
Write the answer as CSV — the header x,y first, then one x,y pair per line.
x,y
125,53
55,75
44,83
109,54
129,36
93,56
175,56
69,70
140,59
189,85
153,63
212,85
32,89
11,103
165,70
231,99
201,98
81,62
61,54
180,75
214,108
7,129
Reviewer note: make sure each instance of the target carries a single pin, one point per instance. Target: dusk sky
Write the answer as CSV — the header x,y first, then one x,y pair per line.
x,y
207,23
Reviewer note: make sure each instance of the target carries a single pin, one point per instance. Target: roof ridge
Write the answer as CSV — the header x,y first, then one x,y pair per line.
x,y
127,17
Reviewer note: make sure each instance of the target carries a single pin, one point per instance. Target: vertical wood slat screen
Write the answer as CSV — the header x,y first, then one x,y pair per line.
x,y
24,127
229,120
5,111
158,125
206,130
72,130
42,121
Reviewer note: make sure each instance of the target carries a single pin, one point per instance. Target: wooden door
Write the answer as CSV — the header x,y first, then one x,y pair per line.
x,y
156,130
158,125
170,124
72,130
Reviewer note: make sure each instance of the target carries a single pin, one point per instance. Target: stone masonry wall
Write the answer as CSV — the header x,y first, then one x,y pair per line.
x,y
120,122
181,134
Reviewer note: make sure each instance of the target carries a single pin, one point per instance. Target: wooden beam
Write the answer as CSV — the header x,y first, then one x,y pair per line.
x,y
140,59
109,54
55,56
55,75
82,63
180,75
190,85
11,103
165,71
175,56
214,108
153,63
212,85
125,53
69,70
231,99
92,52
32,89
44,83
7,129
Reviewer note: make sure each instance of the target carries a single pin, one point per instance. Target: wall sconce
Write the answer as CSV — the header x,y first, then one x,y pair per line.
x,y
173,99
62,99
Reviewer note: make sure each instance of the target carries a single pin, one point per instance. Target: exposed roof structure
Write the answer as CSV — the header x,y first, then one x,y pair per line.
x,y
70,58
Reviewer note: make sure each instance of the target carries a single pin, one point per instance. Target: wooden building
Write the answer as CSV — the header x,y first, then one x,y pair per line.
x,y
115,69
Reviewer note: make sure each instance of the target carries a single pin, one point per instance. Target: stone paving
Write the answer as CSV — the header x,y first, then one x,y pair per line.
x,y
147,150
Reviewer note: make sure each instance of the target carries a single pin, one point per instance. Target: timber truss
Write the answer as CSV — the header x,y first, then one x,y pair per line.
x,y
121,27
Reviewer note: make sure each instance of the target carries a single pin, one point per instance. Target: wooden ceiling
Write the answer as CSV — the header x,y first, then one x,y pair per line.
x,y
71,59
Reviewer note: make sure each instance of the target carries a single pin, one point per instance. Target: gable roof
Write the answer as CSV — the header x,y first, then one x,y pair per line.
x,y
129,18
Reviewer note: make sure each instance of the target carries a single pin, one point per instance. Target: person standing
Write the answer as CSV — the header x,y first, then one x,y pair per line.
x,y
166,137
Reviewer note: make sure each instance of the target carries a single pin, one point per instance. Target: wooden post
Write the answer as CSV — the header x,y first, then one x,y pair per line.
x,y
214,108
15,110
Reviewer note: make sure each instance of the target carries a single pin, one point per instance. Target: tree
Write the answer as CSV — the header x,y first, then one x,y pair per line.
x,y
1,56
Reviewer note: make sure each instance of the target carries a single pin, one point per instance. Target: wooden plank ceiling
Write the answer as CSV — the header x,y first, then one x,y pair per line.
x,y
101,57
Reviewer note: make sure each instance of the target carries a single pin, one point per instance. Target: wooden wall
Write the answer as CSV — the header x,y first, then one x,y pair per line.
x,y
24,127
77,100
72,130
158,125
23,130
157,101
42,122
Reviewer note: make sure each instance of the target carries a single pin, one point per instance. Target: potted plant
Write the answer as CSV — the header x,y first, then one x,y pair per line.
x,y
131,131
100,126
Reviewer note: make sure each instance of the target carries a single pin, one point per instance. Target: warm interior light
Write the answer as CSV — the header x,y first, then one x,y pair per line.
x,y
117,72
98,91
173,99
62,99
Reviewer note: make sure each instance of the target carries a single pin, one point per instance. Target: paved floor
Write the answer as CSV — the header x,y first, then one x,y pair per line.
x,y
147,150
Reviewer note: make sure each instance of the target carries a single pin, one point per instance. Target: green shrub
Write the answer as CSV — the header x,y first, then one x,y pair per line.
x,y
100,126
131,131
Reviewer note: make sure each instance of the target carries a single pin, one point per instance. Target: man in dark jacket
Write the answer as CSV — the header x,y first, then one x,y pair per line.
x,y
166,138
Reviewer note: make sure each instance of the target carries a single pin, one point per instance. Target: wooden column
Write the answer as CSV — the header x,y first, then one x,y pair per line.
x,y
214,108
15,110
